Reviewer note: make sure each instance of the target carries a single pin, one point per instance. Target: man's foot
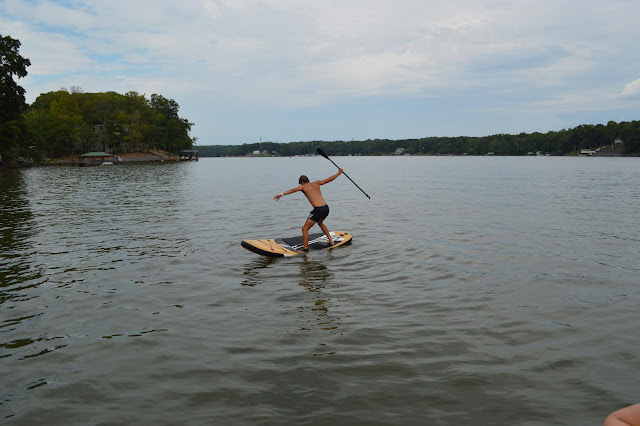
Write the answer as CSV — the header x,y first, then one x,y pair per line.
x,y
304,250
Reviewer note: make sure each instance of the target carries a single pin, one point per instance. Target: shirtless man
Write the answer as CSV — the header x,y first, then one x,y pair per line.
x,y
320,208
628,416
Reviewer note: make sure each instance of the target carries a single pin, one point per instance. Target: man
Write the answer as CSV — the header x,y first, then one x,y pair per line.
x,y
320,208
628,416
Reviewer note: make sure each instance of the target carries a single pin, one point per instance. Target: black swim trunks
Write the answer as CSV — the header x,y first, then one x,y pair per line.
x,y
319,213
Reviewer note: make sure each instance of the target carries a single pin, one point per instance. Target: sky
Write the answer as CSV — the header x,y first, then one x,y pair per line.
x,y
245,71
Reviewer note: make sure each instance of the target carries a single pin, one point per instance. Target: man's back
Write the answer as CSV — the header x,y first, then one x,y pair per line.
x,y
312,191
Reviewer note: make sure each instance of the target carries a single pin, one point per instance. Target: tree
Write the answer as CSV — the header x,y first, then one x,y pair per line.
x,y
167,107
62,123
12,100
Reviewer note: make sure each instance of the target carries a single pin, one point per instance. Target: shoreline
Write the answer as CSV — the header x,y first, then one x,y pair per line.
x,y
151,156
158,156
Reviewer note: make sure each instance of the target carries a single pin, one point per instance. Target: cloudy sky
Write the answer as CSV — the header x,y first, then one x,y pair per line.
x,y
297,70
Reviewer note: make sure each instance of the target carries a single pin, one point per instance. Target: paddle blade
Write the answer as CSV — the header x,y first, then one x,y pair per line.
x,y
321,152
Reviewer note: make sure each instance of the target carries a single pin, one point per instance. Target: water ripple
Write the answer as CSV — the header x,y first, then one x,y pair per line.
x,y
476,291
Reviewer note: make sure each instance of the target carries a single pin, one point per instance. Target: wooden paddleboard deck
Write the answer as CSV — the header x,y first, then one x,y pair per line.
x,y
285,247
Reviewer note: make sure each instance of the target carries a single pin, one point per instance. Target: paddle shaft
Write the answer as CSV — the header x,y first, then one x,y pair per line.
x,y
327,157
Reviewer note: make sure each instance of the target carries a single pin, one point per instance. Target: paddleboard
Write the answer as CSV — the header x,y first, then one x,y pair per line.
x,y
285,247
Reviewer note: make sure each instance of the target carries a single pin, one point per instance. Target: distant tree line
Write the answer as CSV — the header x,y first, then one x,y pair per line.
x,y
555,143
61,123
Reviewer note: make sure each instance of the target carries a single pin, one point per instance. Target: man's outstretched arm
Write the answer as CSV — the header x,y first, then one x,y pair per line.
x,y
288,191
330,178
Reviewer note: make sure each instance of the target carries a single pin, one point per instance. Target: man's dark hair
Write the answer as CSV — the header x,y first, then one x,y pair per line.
x,y
303,179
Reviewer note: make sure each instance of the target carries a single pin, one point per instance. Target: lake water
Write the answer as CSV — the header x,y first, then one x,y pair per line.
x,y
477,291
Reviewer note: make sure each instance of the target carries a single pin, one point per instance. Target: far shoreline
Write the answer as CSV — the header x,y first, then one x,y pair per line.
x,y
159,156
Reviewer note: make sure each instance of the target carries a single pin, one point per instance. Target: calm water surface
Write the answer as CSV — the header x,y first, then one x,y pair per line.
x,y
476,291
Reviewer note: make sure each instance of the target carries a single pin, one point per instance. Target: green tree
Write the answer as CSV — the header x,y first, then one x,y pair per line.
x,y
12,100
62,123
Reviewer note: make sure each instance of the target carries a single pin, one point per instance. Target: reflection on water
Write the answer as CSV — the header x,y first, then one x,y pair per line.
x,y
251,275
19,274
17,226
314,276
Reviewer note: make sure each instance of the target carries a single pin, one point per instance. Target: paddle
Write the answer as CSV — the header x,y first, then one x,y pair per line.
x,y
321,152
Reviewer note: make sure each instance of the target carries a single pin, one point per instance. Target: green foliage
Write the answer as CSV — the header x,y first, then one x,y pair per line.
x,y
555,143
62,123
12,100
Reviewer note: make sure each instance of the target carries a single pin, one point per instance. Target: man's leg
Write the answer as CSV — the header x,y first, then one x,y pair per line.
x,y
326,231
305,233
